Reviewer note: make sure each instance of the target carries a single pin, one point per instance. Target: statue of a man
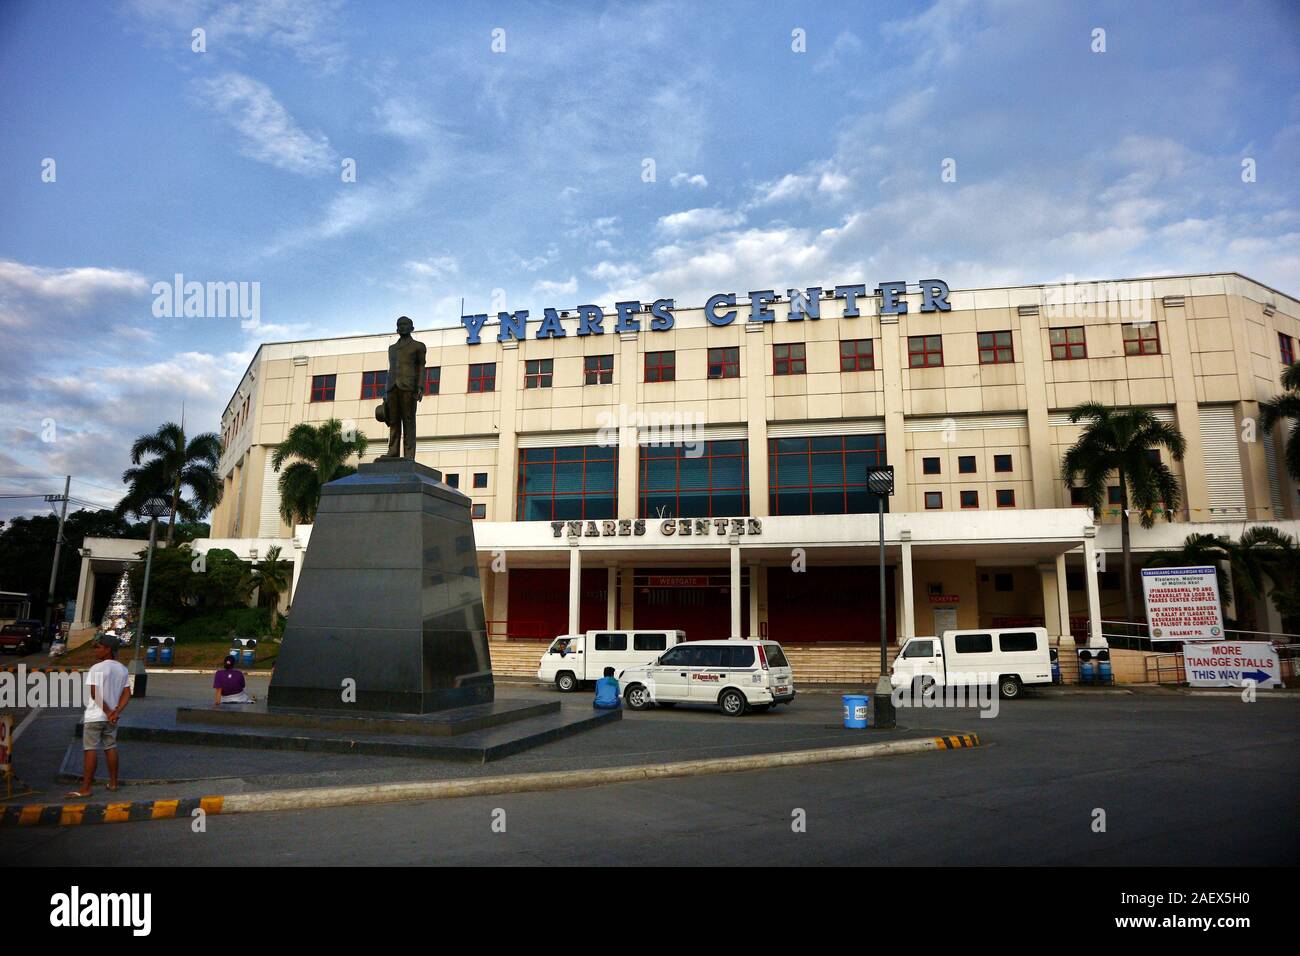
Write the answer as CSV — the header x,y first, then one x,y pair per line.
x,y
405,390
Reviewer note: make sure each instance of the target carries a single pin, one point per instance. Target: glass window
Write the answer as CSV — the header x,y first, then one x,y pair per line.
x,y
478,511
1001,462
452,480
1142,339
822,475
973,643
995,348
1006,497
1018,641
611,642
857,355
789,359
930,466
432,380
374,384
538,373
1113,496
1286,345
970,499
598,370
649,642
705,480
710,655
480,479
1068,343
570,483
483,377
692,655
724,362
933,500
675,657
924,351
775,655
1078,497
966,464
322,388
660,366
919,649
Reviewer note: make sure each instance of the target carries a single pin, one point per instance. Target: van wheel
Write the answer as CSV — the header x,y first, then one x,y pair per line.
x,y
637,698
733,703
566,681
1009,687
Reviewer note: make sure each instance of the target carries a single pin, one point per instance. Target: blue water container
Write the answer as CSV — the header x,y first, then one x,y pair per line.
x,y
246,655
1104,674
165,654
856,708
1056,672
151,653
1086,673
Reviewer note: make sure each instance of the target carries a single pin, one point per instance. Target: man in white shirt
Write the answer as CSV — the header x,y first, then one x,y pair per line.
x,y
107,692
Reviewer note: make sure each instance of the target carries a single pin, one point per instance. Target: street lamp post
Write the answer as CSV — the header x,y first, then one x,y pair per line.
x,y
153,509
880,482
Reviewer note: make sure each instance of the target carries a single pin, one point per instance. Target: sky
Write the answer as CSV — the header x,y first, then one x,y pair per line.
x,y
551,154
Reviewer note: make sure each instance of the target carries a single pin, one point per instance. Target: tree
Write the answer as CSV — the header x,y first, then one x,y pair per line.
x,y
322,452
1247,560
1279,555
1118,442
272,577
176,464
1286,405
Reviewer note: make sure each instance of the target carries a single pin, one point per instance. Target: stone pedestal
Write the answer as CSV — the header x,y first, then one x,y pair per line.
x,y
388,600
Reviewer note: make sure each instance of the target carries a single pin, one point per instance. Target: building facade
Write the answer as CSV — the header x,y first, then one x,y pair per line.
x,y
705,468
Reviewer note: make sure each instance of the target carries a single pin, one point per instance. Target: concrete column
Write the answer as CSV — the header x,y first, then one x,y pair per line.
x,y
1063,601
908,621
891,362
85,590
509,381
299,556
1186,408
575,587
753,602
1043,465
500,609
626,598
735,591
628,374
757,369
1090,581
611,598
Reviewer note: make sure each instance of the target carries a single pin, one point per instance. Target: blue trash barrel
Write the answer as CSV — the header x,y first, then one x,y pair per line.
x,y
1056,671
165,654
1104,675
235,652
246,655
856,708
1086,672
151,653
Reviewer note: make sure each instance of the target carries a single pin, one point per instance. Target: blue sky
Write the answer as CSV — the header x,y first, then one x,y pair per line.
x,y
517,176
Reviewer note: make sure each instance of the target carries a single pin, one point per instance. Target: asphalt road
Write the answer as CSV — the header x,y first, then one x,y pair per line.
x,y
1181,780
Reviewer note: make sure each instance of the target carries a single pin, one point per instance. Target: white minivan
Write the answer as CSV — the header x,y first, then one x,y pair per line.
x,y
574,658
1008,658
735,675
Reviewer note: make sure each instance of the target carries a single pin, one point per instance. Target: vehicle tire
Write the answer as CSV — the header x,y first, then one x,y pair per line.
x,y
566,682
636,697
1009,687
733,703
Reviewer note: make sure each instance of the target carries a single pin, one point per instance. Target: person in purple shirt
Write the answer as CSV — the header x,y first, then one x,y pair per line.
x,y
228,686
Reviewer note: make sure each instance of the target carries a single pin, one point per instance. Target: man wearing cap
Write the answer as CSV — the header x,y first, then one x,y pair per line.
x,y
108,689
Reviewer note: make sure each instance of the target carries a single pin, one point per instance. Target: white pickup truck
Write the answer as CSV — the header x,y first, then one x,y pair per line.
x,y
574,658
1008,658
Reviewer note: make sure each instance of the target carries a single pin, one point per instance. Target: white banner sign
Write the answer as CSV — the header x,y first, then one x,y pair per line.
x,y
1231,664
1183,604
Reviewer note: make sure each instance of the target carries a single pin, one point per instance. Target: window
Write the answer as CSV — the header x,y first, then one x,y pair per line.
x,y
930,466
374,384
995,348
1153,455
973,643
966,464
675,483
919,649
970,499
1078,496
1018,642
572,483
1142,339
933,500
432,380
724,362
924,351
322,388
1001,462
660,366
480,479
598,370
452,480
826,475
775,656
675,656
1113,496
857,355
710,655
737,656
538,373
1067,343
789,359
483,377
1006,497
1287,347
611,642
649,642
478,511
1003,582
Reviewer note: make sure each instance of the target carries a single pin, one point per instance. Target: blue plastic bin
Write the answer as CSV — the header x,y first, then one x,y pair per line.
x,y
856,709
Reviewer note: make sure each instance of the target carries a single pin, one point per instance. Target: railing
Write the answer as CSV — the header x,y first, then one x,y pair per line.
x,y
1142,642
1165,669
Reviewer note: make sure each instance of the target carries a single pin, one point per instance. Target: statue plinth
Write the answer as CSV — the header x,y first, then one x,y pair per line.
x,y
388,600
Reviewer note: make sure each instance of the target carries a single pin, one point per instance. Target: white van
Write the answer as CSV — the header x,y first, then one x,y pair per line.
x,y
574,658
1010,658
735,675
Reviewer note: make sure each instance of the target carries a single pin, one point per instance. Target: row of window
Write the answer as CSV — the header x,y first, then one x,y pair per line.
x,y
965,465
1004,497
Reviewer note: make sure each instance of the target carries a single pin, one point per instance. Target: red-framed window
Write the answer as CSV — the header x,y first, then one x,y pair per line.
x,y
966,464
1078,497
1002,463
598,370
480,479
374,384
970,499
432,380
1286,346
857,355
724,362
478,511
322,388
924,351
931,466
934,501
1006,497
789,359
995,348
825,475
660,366
1113,496
1142,339
483,377
570,483
1068,343
705,480
538,373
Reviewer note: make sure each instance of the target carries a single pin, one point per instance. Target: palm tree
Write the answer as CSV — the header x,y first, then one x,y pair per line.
x,y
1279,555
1117,442
322,451
1286,405
176,463
272,579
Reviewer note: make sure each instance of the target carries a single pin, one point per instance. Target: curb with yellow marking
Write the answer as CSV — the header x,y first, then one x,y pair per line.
x,y
957,741
75,814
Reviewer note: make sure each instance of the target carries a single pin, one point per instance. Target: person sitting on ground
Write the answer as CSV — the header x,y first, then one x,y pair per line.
x,y
228,685
607,697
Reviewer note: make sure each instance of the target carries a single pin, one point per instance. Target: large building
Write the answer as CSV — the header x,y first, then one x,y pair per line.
x,y
705,468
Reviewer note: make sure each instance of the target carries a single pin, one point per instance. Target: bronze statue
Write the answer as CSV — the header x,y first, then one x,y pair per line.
x,y
405,389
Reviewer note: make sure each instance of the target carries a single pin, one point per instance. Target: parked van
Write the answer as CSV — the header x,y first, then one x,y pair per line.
x,y
735,675
574,658
1009,658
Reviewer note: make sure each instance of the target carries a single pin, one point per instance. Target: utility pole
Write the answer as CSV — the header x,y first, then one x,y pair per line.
x,y
58,546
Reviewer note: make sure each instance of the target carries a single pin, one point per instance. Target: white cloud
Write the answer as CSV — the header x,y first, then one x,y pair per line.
x,y
547,287
268,134
77,286
699,220
689,179
436,267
